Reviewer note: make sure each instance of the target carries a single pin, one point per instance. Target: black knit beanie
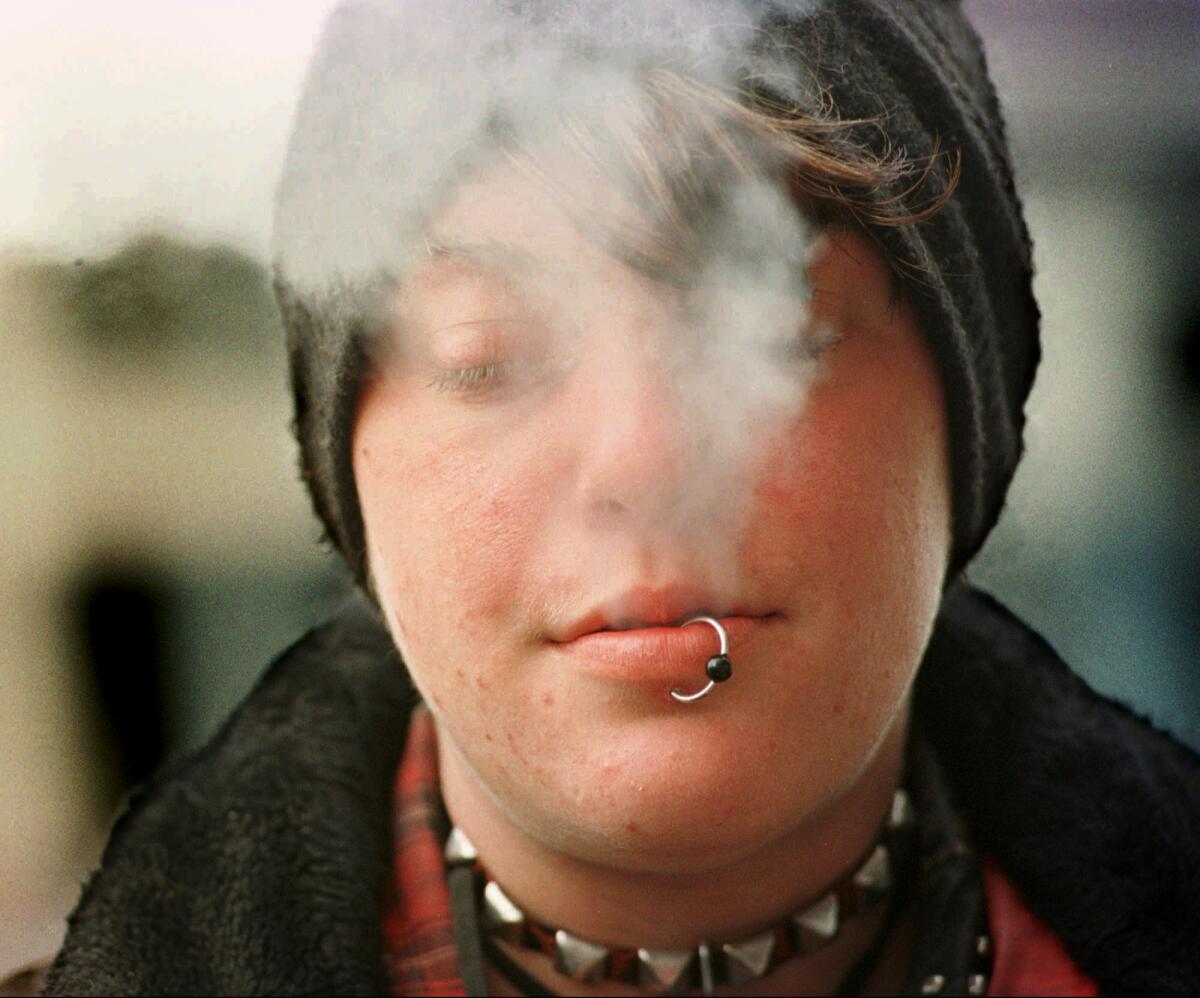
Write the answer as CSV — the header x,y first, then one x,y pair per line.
x,y
386,84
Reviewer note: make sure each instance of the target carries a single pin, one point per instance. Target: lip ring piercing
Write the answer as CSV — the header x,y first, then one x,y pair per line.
x,y
718,668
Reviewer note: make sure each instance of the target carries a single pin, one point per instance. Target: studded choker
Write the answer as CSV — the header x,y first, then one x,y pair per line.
x,y
710,963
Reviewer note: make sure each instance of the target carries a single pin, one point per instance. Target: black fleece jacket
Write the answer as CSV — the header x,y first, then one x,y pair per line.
x,y
258,865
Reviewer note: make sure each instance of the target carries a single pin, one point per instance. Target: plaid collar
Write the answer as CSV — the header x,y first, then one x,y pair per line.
x,y
418,930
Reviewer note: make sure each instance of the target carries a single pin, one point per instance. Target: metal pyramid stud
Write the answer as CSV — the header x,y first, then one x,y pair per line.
x,y
459,848
903,814
933,984
817,924
749,959
503,919
662,969
873,879
708,977
579,959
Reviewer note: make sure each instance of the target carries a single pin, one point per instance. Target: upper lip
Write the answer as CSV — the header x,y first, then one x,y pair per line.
x,y
650,606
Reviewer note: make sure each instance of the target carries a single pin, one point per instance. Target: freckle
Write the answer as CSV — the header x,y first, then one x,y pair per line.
x,y
548,699
461,675
481,682
487,737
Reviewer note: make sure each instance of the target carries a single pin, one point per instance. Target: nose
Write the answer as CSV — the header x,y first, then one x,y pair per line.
x,y
638,450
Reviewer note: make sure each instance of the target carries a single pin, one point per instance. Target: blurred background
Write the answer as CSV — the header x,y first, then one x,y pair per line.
x,y
157,547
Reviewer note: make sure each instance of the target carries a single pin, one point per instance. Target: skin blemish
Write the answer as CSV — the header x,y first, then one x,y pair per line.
x,y
772,493
548,699
631,827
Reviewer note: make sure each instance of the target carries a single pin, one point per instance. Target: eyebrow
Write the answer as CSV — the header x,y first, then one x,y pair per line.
x,y
488,257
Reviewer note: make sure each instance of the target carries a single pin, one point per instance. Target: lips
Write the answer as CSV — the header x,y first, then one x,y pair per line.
x,y
638,636
646,607
668,657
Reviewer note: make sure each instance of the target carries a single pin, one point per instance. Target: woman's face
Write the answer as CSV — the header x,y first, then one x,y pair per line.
x,y
521,459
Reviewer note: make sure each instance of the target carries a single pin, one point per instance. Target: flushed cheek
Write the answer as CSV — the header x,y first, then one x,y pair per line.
x,y
807,519
839,527
453,539
452,517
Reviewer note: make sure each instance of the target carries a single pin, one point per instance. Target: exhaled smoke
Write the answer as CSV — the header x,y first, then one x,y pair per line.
x,y
628,103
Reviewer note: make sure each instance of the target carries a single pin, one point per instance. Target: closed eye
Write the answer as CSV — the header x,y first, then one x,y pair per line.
x,y
469,380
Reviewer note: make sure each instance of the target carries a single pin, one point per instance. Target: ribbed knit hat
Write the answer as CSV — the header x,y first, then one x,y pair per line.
x,y
395,93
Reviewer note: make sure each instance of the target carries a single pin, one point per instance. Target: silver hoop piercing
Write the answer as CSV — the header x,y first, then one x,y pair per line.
x,y
718,668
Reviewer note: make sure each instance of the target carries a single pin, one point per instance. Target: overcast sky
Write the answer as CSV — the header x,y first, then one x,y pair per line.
x,y
117,113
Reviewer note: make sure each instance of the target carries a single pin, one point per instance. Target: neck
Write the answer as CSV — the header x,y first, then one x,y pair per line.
x,y
630,906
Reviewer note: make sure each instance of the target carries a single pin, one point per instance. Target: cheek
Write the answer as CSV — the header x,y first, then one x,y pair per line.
x,y
853,506
447,529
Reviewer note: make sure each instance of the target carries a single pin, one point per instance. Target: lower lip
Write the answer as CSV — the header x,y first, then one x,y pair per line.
x,y
664,654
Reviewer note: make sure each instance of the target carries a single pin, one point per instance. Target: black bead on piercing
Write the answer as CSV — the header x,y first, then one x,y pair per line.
x,y
719,667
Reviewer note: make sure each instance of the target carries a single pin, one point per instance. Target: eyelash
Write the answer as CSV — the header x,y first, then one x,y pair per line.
x,y
479,379
469,380
809,346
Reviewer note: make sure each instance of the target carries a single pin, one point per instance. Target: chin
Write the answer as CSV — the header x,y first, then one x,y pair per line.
x,y
672,801
680,839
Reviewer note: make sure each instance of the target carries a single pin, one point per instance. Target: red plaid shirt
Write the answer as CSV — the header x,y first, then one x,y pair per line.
x,y
418,926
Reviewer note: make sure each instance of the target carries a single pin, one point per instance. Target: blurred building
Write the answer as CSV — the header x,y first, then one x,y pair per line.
x,y
158,548
1100,544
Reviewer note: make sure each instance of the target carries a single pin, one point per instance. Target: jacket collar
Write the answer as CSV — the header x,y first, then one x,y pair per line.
x,y
259,863
1093,813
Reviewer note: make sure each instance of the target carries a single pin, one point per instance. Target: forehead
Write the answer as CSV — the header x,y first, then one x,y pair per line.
x,y
504,218
505,229
556,220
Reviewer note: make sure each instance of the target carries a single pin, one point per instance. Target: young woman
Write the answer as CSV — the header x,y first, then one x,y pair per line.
x,y
658,372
